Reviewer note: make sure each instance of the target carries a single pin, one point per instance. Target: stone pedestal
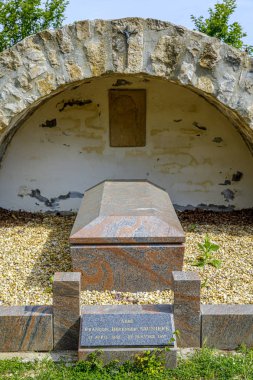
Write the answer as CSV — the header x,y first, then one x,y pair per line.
x,y
66,310
129,353
187,316
127,237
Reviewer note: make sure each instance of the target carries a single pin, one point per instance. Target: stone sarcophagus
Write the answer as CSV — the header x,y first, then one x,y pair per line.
x,y
127,237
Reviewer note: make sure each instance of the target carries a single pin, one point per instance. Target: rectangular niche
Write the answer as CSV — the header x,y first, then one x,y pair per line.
x,y
127,118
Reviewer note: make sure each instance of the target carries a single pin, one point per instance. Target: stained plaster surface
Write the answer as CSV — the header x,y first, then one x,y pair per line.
x,y
192,150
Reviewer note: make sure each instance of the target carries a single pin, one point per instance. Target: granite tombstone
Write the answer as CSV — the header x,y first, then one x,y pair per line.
x,y
127,237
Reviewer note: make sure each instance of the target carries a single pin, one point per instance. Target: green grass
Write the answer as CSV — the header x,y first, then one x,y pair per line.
x,y
205,364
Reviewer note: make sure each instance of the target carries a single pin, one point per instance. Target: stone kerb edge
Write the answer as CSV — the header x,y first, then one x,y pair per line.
x,y
26,328
227,326
30,328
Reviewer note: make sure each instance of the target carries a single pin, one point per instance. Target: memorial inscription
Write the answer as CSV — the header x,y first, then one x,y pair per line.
x,y
126,329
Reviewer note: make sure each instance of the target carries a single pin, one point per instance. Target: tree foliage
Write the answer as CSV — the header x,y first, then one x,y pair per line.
x,y
217,25
21,18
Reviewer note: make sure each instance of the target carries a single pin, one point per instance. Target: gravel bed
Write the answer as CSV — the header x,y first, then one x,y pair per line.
x,y
34,246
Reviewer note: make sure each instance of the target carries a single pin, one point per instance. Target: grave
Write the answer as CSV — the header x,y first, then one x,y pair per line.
x,y
126,237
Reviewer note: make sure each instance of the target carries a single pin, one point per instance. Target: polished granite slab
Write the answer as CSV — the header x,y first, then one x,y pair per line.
x,y
127,237
126,212
126,326
227,326
127,267
26,328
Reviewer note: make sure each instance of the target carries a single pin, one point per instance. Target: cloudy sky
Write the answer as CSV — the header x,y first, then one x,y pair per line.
x,y
176,11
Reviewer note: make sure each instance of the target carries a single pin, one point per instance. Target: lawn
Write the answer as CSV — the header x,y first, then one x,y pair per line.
x,y
205,364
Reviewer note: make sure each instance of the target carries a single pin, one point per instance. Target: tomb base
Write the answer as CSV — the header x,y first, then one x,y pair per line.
x,y
127,268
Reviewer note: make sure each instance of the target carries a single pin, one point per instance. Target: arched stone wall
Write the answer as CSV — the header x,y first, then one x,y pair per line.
x,y
199,96
191,149
47,63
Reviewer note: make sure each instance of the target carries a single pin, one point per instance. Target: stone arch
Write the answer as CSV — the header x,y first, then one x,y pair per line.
x,y
47,63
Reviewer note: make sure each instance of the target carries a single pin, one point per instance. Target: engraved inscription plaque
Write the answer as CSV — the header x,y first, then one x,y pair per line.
x,y
108,330
127,118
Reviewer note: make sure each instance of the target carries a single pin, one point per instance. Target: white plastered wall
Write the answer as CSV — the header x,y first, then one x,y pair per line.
x,y
192,151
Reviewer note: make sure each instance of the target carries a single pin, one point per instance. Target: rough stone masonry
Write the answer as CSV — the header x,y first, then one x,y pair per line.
x,y
45,64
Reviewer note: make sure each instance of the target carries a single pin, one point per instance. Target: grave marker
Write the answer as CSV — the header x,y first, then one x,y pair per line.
x,y
127,326
122,331
127,237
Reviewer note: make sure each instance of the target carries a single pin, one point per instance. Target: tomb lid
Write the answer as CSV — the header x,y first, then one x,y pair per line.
x,y
131,212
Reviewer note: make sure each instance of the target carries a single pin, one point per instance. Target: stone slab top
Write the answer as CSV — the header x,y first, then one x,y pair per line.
x,y
127,309
185,276
131,212
67,276
227,309
126,326
25,311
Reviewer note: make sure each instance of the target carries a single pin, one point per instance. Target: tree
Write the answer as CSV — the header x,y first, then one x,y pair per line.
x,y
217,25
21,18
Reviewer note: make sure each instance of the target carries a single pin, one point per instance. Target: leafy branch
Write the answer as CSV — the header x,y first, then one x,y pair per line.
x,y
217,25
21,18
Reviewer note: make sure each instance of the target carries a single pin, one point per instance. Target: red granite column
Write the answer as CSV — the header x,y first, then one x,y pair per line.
x,y
187,316
66,310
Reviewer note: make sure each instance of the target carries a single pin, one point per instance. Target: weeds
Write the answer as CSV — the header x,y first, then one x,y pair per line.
x,y
192,227
205,364
207,250
205,257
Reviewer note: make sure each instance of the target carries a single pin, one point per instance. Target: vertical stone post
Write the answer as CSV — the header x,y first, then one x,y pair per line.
x,y
66,310
187,315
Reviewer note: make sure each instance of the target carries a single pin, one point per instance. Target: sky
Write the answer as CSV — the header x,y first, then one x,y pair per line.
x,y
175,11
